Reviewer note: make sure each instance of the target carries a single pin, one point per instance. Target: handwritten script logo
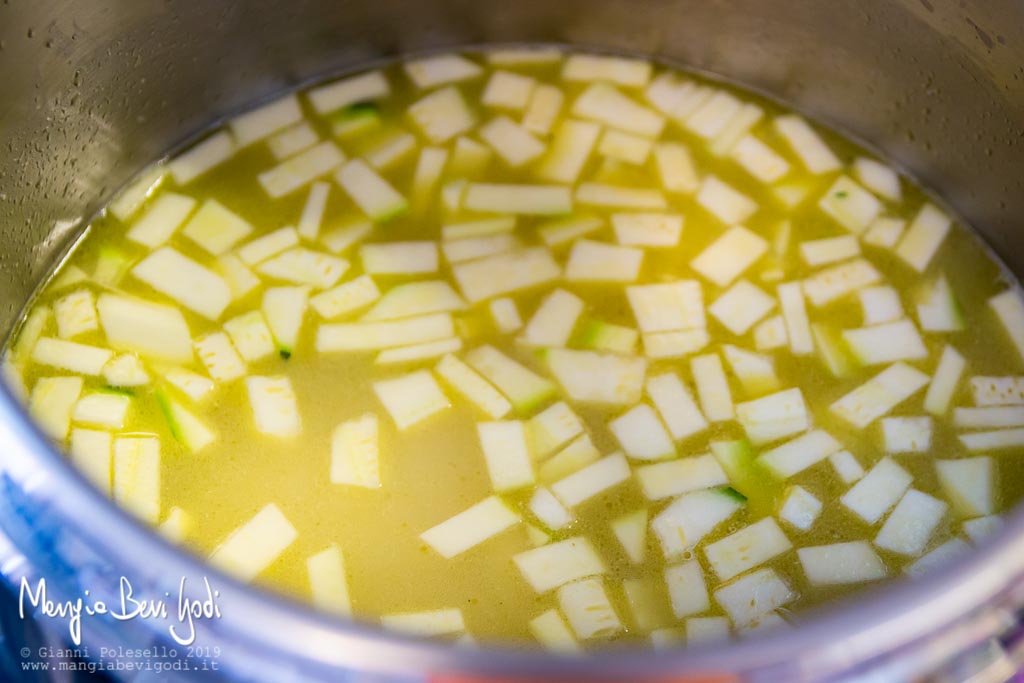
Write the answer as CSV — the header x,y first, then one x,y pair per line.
x,y
182,619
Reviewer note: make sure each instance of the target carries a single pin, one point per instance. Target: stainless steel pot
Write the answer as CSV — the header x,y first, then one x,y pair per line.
x,y
91,91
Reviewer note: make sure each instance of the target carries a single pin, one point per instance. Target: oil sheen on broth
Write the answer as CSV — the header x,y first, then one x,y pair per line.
x,y
655,346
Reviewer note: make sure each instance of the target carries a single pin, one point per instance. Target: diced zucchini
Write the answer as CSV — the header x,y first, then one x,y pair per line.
x,y
747,548
552,428
90,451
687,589
981,528
274,407
508,90
591,377
523,387
878,177
425,177
1009,308
756,372
993,440
676,344
551,632
885,232
850,205
592,480
821,252
271,244
254,546
885,343
506,315
430,72
102,409
507,454
872,496
924,237
938,556
625,71
161,220
667,306
631,531
416,299
416,352
75,314
258,123
355,120
391,150
348,234
834,350
997,391
706,629
774,417
879,395
617,196
548,510
602,336
411,398
191,284
292,140
491,276
136,482
798,454
739,125
605,104
969,484
578,454
642,435
313,210
741,306
841,563
175,526
753,597
216,228
442,115
474,387
675,405
588,609
71,356
759,160
911,524
31,328
327,582
301,169
51,403
880,304
543,110
907,434
675,168
668,479
794,315
351,90
220,358
346,297
518,199
647,229
130,199
553,321
675,96
833,283
846,466
799,508
714,114
598,262
185,427
203,156
513,143
726,203
470,527
625,147
806,144
691,517
487,227
250,336
371,193
556,564
770,333
193,385
646,598
436,622
726,258
478,247
125,370
355,452
712,387
937,308
284,309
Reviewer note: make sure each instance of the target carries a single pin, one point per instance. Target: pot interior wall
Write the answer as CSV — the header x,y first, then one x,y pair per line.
x,y
94,91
